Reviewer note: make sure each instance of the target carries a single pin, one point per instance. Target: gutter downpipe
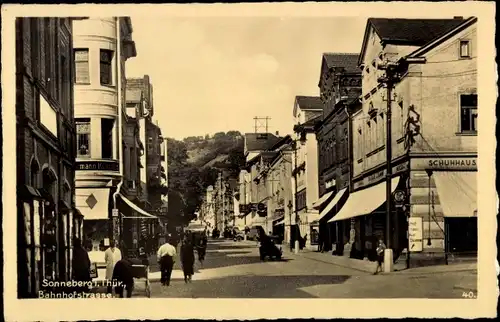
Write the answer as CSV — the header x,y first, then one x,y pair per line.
x,y
116,213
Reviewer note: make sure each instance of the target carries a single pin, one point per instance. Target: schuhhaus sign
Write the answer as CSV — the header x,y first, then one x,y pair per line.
x,y
444,163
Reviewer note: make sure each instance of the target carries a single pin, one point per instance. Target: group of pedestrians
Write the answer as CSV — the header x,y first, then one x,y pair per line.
x,y
167,253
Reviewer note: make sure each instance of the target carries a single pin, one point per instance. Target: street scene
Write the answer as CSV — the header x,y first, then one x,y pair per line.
x,y
234,270
240,158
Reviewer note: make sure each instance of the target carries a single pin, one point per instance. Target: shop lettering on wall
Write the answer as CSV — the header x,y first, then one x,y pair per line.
x,y
415,234
330,183
97,166
380,174
444,163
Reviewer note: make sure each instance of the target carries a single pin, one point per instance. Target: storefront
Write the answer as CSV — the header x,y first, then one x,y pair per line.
x,y
46,240
328,232
444,197
364,220
95,205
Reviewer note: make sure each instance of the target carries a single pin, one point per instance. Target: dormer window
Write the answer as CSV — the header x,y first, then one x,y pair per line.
x,y
372,110
367,70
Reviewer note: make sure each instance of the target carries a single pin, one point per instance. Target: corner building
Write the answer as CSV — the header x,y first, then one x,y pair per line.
x,y
45,153
101,48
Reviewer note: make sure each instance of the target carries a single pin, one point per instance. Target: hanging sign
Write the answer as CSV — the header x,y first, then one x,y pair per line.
x,y
415,234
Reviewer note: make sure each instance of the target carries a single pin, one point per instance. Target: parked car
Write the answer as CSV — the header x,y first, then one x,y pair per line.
x,y
269,249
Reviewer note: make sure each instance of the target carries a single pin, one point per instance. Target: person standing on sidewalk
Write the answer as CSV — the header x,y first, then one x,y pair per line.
x,y
187,258
112,255
380,255
123,277
165,255
81,265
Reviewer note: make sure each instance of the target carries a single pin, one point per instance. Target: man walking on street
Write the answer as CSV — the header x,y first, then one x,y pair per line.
x,y
380,255
165,256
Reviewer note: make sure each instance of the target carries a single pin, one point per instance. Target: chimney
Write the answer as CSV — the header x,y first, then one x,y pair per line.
x,y
277,133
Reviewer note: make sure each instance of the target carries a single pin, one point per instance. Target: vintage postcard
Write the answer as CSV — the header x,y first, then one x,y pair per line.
x,y
249,161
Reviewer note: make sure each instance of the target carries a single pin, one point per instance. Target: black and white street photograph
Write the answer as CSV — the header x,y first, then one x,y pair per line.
x,y
280,151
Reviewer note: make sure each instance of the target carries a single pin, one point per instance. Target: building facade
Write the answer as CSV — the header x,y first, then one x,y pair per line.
x,y
101,48
340,88
45,155
307,111
385,42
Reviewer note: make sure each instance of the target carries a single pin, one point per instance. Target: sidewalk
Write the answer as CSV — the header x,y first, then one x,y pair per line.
x,y
369,267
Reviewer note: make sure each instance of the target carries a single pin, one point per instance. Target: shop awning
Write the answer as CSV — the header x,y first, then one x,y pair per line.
x,y
93,203
132,205
332,203
364,201
313,218
320,201
457,193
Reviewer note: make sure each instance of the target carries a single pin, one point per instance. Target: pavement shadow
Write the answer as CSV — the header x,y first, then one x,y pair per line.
x,y
284,286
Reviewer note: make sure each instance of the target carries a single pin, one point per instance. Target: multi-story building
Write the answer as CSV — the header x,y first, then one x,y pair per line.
x,y
45,152
307,112
434,108
278,177
254,144
101,48
340,88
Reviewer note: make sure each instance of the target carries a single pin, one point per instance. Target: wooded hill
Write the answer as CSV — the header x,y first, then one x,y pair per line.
x,y
194,164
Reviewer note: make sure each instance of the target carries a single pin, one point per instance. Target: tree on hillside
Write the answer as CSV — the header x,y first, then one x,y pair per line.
x,y
177,153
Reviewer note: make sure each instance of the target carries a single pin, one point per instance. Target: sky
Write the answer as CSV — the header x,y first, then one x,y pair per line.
x,y
213,74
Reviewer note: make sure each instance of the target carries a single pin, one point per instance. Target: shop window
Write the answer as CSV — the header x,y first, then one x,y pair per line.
x,y
82,75
83,137
468,112
106,57
464,49
107,138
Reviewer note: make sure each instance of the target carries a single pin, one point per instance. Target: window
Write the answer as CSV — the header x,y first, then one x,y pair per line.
x,y
35,44
105,59
34,169
65,87
468,112
48,79
464,49
107,138
83,137
82,75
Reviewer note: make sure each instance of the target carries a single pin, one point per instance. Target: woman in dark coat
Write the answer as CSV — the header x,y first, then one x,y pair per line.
x,y
81,264
187,258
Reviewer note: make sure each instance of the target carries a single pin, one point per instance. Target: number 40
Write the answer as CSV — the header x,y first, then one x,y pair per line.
x,y
469,295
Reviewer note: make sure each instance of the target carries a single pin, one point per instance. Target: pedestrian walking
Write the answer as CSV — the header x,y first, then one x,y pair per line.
x,y
187,259
165,255
123,278
81,265
380,255
112,255
202,248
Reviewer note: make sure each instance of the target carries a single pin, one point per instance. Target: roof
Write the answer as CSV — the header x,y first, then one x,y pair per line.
x,y
349,61
260,141
309,102
309,125
133,95
439,40
284,140
416,32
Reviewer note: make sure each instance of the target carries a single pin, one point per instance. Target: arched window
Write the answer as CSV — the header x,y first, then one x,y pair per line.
x,y
34,171
49,181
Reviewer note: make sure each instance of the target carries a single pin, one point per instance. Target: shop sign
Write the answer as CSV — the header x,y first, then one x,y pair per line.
x,y
399,198
415,234
329,184
97,166
444,163
378,176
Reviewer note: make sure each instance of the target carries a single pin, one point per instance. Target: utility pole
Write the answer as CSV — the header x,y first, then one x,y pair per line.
x,y
389,79
261,123
296,246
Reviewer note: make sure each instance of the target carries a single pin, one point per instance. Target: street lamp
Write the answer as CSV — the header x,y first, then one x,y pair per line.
x,y
290,206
